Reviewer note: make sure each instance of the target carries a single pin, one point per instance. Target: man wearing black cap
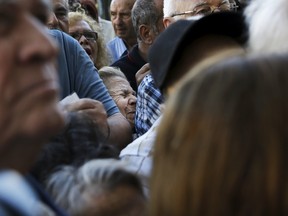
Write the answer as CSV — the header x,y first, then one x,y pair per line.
x,y
191,43
182,46
148,109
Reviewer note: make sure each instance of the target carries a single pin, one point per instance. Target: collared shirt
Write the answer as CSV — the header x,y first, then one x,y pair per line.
x,y
116,48
138,155
148,104
130,64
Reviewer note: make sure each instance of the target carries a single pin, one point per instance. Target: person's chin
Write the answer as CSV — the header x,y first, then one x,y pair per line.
x,y
121,34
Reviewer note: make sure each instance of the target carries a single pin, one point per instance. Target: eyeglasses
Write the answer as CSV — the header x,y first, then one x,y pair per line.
x,y
206,9
89,35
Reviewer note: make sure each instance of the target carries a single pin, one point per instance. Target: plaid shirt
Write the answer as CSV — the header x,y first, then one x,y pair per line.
x,y
148,104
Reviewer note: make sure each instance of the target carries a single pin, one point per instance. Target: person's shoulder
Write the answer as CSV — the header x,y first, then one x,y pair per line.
x,y
143,145
62,37
121,61
115,41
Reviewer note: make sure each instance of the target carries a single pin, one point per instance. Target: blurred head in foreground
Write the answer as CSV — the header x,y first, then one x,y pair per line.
x,y
222,145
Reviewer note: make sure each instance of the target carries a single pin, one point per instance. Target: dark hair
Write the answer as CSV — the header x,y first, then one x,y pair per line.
x,y
224,135
78,143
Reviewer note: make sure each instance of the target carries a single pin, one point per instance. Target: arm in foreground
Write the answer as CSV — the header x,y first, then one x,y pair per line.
x,y
120,130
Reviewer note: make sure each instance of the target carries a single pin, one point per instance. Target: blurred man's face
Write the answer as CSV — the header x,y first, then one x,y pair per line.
x,y
28,79
58,18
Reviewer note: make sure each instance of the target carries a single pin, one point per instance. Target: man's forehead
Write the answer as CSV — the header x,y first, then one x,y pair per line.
x,y
123,3
196,2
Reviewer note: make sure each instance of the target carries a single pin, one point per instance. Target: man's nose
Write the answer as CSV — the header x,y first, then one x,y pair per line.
x,y
118,19
83,40
36,43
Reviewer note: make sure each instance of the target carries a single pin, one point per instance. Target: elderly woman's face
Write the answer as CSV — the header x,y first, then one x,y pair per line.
x,y
28,79
124,97
87,38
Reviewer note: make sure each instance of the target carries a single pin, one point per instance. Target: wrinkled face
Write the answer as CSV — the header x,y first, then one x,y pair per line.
x,y
86,38
58,18
28,79
120,12
124,97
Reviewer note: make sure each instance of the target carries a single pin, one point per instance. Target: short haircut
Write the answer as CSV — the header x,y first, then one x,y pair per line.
x,y
146,12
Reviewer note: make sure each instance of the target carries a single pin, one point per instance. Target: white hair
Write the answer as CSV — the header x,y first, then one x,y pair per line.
x,y
172,6
75,189
267,21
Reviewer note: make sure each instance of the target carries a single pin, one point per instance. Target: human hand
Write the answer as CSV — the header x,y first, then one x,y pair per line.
x,y
93,109
144,70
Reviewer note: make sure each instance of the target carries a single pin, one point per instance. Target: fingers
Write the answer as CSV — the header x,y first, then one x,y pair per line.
x,y
144,70
83,104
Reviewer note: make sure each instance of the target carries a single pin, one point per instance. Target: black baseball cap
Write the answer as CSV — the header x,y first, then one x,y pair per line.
x,y
171,42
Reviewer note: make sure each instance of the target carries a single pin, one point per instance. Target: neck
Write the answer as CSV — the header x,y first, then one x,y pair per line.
x,y
143,50
130,43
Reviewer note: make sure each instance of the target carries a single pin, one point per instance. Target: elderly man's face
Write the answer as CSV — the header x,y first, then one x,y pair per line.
x,y
120,12
58,18
28,80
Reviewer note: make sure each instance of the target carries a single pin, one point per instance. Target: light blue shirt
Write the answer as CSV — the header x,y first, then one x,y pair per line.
x,y
116,48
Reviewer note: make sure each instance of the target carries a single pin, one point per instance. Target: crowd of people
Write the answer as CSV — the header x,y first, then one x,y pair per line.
x,y
158,107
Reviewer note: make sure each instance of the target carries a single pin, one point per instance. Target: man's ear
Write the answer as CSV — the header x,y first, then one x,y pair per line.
x,y
145,34
167,21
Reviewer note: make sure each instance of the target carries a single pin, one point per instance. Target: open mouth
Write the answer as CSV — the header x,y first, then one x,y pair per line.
x,y
88,51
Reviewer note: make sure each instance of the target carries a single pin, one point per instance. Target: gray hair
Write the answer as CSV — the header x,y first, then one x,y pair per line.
x,y
146,12
107,72
73,188
267,29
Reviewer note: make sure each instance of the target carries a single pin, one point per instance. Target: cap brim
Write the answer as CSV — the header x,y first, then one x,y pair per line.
x,y
171,42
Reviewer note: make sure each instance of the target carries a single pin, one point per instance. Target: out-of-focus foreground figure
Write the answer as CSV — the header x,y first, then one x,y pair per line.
x,y
222,145
29,112
100,187
267,20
